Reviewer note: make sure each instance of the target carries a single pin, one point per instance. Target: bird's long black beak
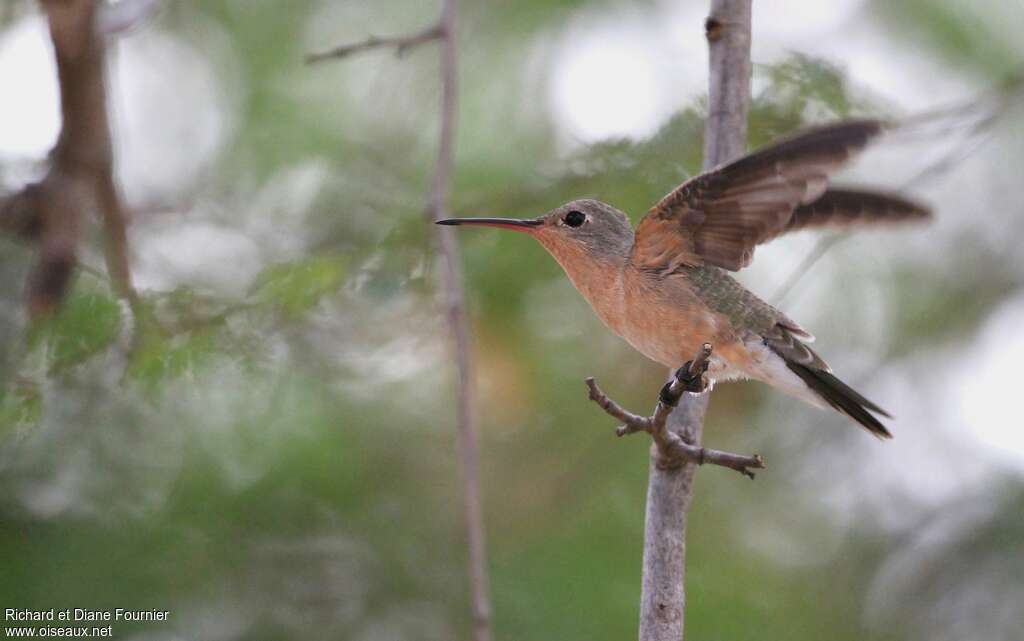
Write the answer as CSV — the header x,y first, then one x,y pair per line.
x,y
514,224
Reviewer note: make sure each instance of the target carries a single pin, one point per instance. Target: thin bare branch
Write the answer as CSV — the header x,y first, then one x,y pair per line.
x,y
632,423
401,44
454,293
673,451
669,489
454,286
115,223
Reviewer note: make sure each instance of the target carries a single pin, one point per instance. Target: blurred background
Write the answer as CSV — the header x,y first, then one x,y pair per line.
x,y
272,457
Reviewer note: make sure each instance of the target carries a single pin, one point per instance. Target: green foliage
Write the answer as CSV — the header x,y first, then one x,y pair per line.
x,y
963,33
85,325
180,332
799,88
296,287
20,406
160,358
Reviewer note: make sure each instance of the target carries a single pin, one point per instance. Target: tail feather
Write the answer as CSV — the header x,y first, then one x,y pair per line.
x,y
842,397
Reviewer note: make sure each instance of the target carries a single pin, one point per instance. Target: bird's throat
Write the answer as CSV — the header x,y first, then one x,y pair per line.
x,y
598,279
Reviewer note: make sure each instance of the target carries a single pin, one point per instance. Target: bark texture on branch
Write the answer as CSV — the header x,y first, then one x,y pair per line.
x,y
672,450
669,489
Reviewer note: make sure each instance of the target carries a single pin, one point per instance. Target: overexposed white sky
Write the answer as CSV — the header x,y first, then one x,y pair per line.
x,y
155,77
623,71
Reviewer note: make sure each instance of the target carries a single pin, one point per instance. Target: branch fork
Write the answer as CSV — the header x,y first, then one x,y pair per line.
x,y
79,181
672,450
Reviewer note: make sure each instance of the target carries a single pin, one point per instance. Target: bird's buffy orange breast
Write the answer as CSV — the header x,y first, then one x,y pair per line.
x,y
664,320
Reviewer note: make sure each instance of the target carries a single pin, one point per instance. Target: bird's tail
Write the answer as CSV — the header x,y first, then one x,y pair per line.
x,y
841,396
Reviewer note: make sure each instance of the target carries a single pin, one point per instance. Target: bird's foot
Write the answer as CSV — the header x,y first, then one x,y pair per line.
x,y
667,397
693,381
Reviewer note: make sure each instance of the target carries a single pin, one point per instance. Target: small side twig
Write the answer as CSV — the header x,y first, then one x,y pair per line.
x,y
401,44
672,448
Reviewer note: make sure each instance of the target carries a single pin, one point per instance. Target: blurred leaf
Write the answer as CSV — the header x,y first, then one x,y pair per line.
x,y
801,90
297,287
20,406
87,323
963,33
160,358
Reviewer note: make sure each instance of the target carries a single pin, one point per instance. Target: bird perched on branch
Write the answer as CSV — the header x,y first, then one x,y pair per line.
x,y
664,287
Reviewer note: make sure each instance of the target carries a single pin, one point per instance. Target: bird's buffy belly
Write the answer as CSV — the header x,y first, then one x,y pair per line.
x,y
667,323
668,335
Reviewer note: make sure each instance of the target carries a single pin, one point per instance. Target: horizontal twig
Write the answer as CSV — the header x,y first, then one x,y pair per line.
x,y
741,463
401,44
632,422
671,447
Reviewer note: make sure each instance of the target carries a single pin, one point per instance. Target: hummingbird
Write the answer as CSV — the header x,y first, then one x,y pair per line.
x,y
665,286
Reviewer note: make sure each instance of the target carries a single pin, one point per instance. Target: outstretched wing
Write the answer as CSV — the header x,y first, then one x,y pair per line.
x,y
849,207
718,217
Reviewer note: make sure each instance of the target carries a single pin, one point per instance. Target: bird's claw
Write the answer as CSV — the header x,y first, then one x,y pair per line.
x,y
695,383
666,397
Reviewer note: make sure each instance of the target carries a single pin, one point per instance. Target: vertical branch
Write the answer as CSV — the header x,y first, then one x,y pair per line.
x,y
84,152
454,290
80,180
728,34
670,486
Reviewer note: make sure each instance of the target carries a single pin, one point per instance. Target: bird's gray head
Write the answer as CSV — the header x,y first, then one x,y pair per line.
x,y
577,230
601,230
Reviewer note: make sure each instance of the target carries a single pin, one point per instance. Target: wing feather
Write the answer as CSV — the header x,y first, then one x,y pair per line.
x,y
720,216
847,207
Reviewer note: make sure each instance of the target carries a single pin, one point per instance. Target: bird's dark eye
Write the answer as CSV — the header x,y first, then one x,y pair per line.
x,y
575,218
